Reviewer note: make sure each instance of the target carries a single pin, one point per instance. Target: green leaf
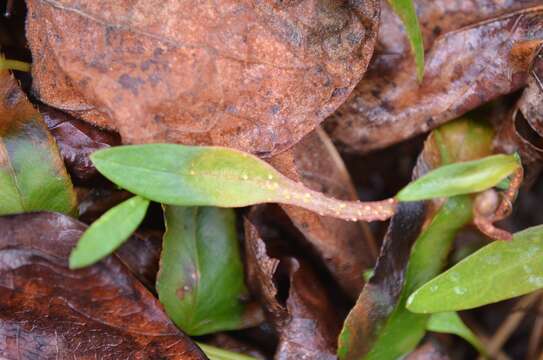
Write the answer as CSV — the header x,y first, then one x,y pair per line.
x,y
499,271
32,174
200,282
451,323
406,11
107,233
215,353
460,178
404,329
215,176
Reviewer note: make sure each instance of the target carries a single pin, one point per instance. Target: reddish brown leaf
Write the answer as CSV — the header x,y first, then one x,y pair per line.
x,y
346,248
141,255
48,311
255,75
465,67
76,140
298,304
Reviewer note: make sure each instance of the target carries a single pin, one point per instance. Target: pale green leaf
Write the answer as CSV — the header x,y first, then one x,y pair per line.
x,y
215,176
499,271
451,323
406,11
215,353
461,178
107,233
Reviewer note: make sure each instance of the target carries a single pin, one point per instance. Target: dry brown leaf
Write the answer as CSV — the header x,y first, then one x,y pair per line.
x,y
293,296
256,75
345,248
465,67
76,140
48,311
522,128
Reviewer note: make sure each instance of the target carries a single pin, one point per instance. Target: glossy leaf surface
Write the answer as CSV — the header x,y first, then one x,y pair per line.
x,y
461,178
503,269
201,282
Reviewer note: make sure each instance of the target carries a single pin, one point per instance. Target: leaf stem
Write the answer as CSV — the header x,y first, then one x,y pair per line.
x,y
215,353
297,194
14,65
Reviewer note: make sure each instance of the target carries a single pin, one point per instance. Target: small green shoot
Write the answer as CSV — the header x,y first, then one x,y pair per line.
x,y
107,233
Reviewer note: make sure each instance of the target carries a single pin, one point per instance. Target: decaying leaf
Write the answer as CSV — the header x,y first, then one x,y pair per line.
x,y
292,294
32,175
381,294
48,311
254,75
76,140
465,67
141,255
345,248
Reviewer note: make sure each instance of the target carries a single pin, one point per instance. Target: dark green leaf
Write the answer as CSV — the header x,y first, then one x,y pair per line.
x,y
450,323
406,11
107,233
200,282
499,271
460,178
215,176
32,175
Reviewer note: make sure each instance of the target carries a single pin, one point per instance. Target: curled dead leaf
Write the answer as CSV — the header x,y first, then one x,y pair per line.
x,y
293,296
254,75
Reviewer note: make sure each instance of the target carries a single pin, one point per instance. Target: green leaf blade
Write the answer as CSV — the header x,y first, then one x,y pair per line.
x,y
215,176
187,175
460,178
499,271
451,323
406,11
201,282
107,233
